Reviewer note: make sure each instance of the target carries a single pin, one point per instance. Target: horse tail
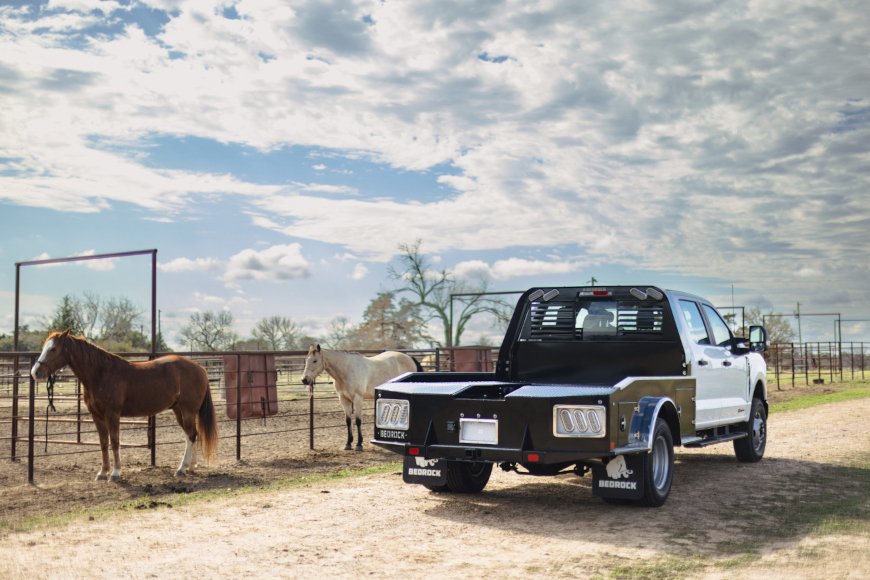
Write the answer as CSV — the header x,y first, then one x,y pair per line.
x,y
208,429
419,366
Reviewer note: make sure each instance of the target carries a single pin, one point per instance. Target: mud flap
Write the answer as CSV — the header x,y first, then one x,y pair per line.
x,y
425,471
621,478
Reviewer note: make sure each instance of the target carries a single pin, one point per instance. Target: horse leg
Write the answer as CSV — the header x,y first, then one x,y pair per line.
x,y
103,432
114,424
187,421
358,410
348,409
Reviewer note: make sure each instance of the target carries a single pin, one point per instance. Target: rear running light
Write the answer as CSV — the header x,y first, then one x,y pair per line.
x,y
532,457
414,451
392,414
579,420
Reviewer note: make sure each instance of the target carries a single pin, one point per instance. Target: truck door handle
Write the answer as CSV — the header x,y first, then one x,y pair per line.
x,y
702,362
726,363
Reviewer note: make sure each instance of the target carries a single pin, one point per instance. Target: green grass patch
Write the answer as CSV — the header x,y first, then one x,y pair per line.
x,y
829,500
848,394
666,569
147,502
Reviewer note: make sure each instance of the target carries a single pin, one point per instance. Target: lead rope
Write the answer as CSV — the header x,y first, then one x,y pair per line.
x,y
49,388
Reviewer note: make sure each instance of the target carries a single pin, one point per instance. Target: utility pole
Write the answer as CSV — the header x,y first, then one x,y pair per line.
x,y
592,281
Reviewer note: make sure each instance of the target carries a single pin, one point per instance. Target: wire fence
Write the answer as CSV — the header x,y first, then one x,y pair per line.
x,y
255,394
816,362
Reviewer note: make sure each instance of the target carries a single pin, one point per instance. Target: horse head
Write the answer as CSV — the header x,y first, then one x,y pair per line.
x,y
55,355
314,365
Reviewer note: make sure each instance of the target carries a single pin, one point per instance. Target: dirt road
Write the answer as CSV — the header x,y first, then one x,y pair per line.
x,y
802,512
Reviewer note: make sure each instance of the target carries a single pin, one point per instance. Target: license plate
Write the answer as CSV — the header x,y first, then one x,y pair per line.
x,y
425,471
484,431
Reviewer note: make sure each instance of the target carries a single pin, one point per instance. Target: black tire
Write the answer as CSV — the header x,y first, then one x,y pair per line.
x,y
437,488
467,477
617,501
658,467
750,449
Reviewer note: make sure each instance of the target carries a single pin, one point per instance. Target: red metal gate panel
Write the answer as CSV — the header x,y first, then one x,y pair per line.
x,y
471,360
258,394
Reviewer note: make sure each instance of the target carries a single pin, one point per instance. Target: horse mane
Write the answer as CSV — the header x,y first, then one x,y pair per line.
x,y
87,352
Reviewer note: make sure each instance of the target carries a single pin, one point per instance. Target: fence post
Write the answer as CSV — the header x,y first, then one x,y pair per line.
x,y
311,420
807,362
30,427
78,411
238,407
852,358
791,350
15,367
819,351
831,359
776,368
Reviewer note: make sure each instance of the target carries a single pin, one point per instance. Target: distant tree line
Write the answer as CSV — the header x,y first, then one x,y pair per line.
x,y
397,318
113,323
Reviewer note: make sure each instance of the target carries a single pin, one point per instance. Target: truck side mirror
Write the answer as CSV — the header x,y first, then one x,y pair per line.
x,y
758,339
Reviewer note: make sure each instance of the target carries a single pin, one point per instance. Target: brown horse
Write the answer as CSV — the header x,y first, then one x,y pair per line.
x,y
115,388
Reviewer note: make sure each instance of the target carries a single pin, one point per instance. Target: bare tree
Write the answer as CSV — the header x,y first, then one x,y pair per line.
x,y
338,333
277,332
117,319
432,290
209,331
389,323
779,328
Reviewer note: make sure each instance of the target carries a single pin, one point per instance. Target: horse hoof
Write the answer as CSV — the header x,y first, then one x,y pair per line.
x,y
115,478
101,477
347,447
179,473
358,447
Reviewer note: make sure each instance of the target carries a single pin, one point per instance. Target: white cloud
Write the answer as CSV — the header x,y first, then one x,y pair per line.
x,y
186,264
511,268
359,272
282,262
638,136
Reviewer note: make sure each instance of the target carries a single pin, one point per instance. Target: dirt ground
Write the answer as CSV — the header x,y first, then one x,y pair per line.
x,y
800,513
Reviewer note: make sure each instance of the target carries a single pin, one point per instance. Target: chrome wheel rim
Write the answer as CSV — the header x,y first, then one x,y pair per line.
x,y
759,431
660,463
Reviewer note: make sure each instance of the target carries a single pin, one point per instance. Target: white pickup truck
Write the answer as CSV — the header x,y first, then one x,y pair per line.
x,y
601,379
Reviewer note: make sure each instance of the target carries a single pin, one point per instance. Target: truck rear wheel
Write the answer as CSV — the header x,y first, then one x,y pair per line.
x,y
750,449
465,477
658,467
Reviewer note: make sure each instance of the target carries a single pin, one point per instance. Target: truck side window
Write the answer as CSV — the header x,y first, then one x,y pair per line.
x,y
721,333
695,322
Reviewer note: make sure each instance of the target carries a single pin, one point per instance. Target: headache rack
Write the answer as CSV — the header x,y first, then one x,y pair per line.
x,y
556,321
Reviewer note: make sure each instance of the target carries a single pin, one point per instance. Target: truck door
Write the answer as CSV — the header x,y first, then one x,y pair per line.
x,y
735,384
708,387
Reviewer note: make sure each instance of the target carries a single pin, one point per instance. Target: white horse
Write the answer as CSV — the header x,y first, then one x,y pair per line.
x,y
355,377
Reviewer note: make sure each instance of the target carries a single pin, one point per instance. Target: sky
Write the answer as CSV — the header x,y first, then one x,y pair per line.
x,y
277,153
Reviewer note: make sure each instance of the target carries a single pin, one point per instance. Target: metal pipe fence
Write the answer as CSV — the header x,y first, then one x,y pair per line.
x,y
286,411
816,362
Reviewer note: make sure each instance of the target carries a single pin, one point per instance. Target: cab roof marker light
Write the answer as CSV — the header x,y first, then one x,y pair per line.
x,y
535,295
639,294
654,294
550,295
